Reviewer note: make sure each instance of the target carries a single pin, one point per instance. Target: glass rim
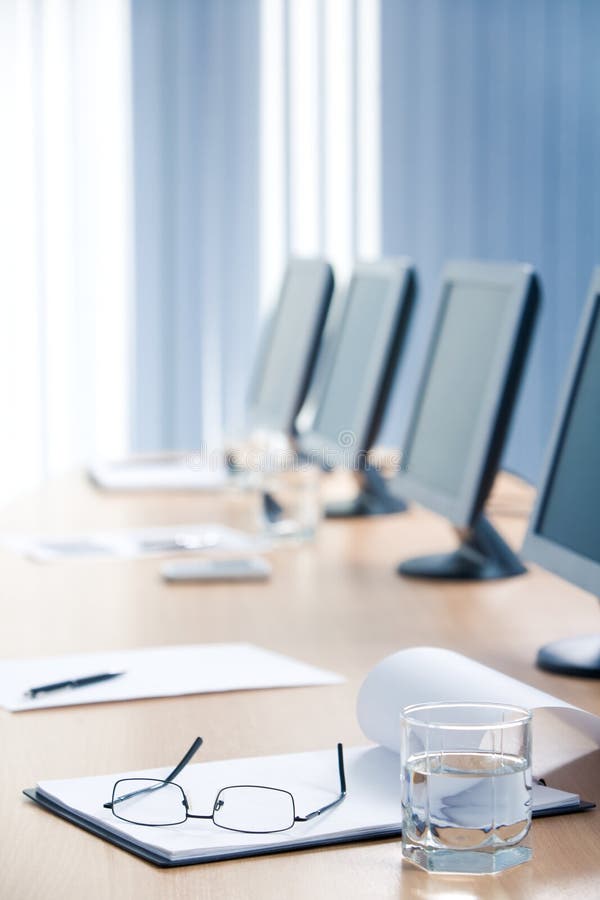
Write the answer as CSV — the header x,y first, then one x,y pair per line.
x,y
523,716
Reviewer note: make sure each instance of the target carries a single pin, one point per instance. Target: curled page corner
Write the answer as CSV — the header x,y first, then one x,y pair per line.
x,y
434,674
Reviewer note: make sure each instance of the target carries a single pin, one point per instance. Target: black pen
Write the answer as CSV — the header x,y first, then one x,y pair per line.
x,y
72,683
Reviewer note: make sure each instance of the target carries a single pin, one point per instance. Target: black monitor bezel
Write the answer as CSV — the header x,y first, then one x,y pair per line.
x,y
494,418
544,551
398,304
316,309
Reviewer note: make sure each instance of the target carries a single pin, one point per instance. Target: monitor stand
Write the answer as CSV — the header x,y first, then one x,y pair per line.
x,y
572,656
373,499
482,555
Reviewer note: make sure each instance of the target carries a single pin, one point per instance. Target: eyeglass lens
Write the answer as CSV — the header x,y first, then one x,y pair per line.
x,y
146,801
255,810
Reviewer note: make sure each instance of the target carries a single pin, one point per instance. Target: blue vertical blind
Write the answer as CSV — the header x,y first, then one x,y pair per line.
x,y
195,72
491,148
256,136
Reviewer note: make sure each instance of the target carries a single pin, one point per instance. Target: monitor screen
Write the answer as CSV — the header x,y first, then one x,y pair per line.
x,y
571,503
458,383
285,364
357,357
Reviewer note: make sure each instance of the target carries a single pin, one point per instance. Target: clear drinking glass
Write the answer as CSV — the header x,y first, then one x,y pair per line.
x,y
466,786
289,501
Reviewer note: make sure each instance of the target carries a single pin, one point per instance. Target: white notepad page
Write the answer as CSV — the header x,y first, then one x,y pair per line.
x,y
312,778
431,675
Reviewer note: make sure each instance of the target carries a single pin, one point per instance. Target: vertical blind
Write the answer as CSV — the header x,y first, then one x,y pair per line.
x,y
256,130
195,71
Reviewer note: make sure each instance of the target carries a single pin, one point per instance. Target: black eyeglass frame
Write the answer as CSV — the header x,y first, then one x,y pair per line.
x,y
159,783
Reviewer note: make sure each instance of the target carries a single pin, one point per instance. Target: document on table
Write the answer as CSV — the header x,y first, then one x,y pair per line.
x,y
136,542
171,472
371,808
154,672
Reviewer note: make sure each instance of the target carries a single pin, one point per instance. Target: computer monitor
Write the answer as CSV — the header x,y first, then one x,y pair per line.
x,y
346,401
288,347
483,326
564,529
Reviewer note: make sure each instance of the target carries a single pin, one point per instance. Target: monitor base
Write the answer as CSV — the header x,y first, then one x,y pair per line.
x,y
483,555
373,499
579,656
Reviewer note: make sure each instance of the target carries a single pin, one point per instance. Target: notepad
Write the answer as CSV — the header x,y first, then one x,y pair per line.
x,y
155,672
371,809
372,806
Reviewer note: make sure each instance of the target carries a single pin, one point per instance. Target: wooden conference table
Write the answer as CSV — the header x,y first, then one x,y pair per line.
x,y
337,604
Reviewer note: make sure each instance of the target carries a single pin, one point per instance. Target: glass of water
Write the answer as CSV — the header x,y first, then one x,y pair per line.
x,y
466,786
289,501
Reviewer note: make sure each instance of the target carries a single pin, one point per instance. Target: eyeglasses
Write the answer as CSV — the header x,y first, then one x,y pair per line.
x,y
247,808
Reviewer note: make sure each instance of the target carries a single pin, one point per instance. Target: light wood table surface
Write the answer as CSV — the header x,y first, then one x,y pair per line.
x,y
336,603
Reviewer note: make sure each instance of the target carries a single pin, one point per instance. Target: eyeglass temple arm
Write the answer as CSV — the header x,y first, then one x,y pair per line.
x,y
180,765
342,774
183,763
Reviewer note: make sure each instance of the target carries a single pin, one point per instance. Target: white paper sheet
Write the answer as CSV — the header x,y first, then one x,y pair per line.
x,y
430,675
169,540
155,672
373,800
166,473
